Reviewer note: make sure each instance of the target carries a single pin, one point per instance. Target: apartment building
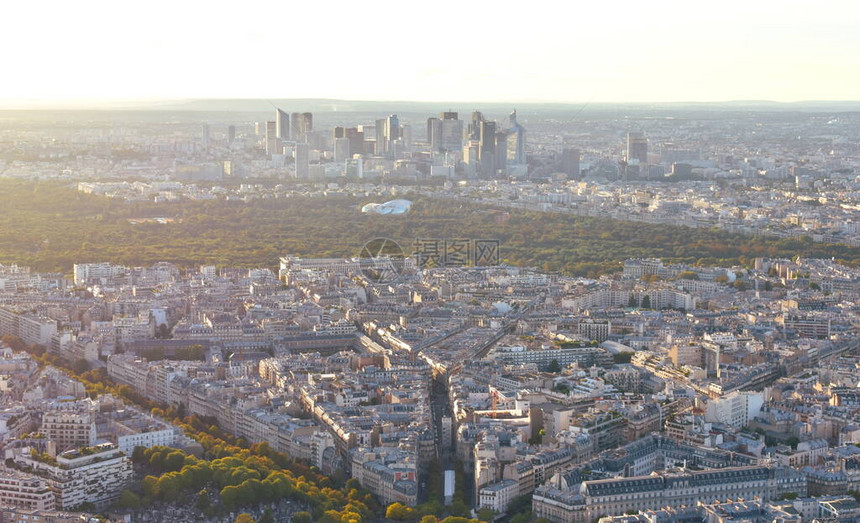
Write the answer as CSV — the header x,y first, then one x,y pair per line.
x,y
497,496
24,491
616,496
69,429
94,474
33,329
391,476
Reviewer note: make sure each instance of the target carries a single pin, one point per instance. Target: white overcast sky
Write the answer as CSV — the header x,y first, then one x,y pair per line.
x,y
439,50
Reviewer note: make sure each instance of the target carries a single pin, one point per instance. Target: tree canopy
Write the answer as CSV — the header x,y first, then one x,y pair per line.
x,y
50,226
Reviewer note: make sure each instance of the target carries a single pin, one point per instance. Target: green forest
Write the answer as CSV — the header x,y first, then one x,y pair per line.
x,y
49,226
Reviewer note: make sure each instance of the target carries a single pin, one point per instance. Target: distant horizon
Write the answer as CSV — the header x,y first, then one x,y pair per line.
x,y
150,104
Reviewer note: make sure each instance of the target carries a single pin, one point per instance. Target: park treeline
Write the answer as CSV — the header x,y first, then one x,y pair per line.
x,y
50,226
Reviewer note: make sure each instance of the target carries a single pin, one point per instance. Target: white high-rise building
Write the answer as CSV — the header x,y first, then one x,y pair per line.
x,y
736,408
86,273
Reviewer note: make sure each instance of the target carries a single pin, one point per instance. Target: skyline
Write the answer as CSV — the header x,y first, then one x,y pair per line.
x,y
618,52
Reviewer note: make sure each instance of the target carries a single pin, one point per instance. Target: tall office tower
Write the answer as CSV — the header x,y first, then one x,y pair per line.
x,y
501,160
452,132
475,126
487,148
307,122
336,133
273,144
300,125
282,127
392,128
380,137
637,148
356,140
302,157
470,157
434,133
570,162
355,136
341,149
257,129
231,133
516,142
295,127
204,138
369,134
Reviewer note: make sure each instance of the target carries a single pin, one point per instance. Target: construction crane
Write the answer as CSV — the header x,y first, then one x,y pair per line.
x,y
494,402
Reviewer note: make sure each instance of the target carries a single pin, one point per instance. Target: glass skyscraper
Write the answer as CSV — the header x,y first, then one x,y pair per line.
x,y
516,145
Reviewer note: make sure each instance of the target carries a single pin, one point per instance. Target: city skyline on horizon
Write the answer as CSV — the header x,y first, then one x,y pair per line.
x,y
613,53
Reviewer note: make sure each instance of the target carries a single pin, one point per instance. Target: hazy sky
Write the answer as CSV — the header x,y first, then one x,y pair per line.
x,y
439,50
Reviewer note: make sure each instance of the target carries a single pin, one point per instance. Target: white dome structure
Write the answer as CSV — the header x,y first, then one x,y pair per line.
x,y
391,207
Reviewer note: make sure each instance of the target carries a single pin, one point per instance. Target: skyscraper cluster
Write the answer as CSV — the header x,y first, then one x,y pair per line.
x,y
389,136
445,133
292,130
354,144
479,147
490,150
287,127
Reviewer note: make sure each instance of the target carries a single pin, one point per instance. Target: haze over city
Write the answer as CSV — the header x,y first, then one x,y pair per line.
x,y
430,262
94,53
